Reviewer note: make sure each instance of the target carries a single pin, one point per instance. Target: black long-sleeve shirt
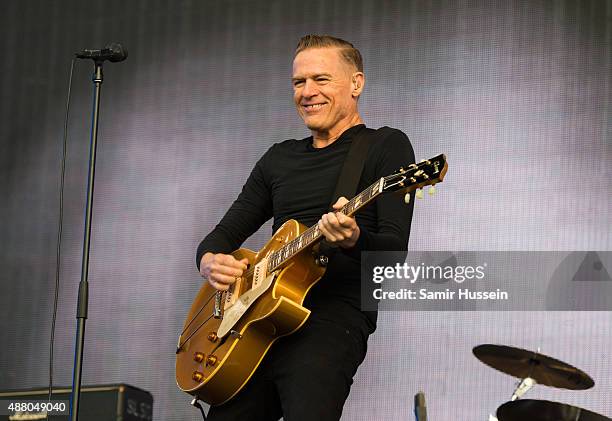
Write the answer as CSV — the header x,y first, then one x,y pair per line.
x,y
295,180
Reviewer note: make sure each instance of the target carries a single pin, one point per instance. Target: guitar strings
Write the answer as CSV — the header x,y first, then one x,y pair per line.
x,y
247,274
194,332
197,314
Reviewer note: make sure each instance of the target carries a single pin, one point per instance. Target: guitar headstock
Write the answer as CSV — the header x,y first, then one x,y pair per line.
x,y
416,176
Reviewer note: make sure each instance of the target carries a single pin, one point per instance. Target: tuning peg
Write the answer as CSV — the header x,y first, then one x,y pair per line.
x,y
407,198
432,190
419,193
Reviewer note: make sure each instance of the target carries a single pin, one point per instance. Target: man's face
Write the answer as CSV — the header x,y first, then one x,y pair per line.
x,y
324,89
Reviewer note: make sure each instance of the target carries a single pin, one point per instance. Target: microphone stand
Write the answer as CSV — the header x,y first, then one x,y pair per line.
x,y
83,298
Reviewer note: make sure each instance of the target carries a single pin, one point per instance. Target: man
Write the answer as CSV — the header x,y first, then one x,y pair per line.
x,y
307,375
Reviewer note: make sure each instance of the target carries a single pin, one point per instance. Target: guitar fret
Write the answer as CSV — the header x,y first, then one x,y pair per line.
x,y
350,206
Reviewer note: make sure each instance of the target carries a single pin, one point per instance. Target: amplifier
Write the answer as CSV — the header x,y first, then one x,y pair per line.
x,y
113,402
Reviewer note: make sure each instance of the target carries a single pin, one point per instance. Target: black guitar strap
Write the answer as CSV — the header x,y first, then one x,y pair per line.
x,y
354,163
351,173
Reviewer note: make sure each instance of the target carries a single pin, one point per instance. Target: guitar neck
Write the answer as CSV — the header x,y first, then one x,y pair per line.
x,y
426,173
313,234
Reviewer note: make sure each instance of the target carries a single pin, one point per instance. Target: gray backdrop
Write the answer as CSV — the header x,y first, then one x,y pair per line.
x,y
516,93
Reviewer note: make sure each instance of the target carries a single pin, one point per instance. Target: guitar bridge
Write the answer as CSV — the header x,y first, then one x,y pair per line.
x,y
217,310
232,294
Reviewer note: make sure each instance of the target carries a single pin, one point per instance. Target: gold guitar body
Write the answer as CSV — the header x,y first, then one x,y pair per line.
x,y
215,368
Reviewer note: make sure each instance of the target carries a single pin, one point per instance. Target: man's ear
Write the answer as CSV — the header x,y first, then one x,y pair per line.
x,y
357,83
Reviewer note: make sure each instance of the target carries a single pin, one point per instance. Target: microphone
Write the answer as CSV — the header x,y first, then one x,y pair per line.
x,y
420,409
113,52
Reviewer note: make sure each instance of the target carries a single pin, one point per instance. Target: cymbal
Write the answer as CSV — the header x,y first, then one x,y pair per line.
x,y
522,364
535,410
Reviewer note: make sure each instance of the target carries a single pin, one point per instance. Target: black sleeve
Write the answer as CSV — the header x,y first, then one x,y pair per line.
x,y
248,213
394,216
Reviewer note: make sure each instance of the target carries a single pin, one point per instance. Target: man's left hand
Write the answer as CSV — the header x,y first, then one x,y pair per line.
x,y
338,228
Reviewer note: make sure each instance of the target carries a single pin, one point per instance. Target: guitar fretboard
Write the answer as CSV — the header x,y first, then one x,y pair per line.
x,y
313,234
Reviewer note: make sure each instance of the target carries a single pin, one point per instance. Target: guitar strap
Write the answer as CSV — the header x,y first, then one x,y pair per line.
x,y
353,166
348,181
354,163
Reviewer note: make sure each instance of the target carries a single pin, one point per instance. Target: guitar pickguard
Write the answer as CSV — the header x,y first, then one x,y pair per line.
x,y
242,304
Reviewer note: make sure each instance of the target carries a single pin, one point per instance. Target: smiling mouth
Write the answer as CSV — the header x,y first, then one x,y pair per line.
x,y
313,107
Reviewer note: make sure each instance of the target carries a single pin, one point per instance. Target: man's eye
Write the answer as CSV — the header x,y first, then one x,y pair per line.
x,y
298,83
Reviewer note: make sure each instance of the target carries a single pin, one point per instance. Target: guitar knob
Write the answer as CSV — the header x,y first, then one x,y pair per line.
x,y
197,376
407,198
419,194
198,357
211,360
321,260
431,191
212,336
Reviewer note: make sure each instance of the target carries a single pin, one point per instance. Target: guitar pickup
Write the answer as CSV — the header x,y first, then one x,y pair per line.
x,y
260,272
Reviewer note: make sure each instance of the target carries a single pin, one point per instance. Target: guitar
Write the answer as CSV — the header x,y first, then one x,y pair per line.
x,y
226,335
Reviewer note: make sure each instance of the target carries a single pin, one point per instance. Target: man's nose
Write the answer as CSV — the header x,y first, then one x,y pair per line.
x,y
310,88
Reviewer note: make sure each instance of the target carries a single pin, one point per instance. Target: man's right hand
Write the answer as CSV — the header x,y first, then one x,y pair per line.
x,y
221,270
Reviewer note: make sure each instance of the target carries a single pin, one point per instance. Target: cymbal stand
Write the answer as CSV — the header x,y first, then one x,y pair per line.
x,y
523,387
